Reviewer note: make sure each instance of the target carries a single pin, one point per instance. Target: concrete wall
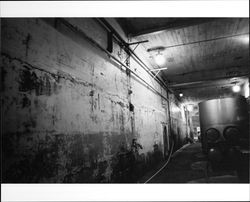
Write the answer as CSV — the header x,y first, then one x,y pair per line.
x,y
69,112
180,126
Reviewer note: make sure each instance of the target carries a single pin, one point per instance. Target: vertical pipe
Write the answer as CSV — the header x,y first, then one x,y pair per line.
x,y
169,118
104,23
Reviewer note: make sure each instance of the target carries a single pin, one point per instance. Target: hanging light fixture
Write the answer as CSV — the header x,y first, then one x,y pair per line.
x,y
160,59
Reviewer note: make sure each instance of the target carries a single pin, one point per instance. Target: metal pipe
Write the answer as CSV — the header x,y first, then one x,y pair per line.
x,y
110,55
158,69
104,23
169,115
139,42
165,164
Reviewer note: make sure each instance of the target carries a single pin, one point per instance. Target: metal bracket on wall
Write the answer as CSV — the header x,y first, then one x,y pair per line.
x,y
157,73
108,27
158,70
137,43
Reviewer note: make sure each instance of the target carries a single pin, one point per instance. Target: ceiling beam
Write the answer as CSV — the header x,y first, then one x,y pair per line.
x,y
200,41
227,84
179,23
198,82
230,68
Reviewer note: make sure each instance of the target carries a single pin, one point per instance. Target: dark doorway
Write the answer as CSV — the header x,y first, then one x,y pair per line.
x,y
166,139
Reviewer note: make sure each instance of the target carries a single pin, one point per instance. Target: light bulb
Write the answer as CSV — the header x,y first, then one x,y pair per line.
x,y
245,39
236,89
180,94
159,59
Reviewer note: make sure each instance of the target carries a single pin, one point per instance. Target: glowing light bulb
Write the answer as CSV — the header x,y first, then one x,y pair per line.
x,y
180,94
236,89
159,59
245,39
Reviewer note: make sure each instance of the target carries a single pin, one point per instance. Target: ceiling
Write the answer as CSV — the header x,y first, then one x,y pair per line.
x,y
204,57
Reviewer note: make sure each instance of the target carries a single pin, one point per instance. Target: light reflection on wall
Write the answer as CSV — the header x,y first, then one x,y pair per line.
x,y
246,89
244,39
183,111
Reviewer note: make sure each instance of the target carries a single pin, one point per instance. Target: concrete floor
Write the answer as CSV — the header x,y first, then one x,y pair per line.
x,y
189,165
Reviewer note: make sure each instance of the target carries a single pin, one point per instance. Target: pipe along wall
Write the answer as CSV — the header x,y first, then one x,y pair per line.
x,y
70,113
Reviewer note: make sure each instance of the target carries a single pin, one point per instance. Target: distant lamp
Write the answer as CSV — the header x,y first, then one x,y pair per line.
x,y
190,108
236,88
245,39
160,59
181,95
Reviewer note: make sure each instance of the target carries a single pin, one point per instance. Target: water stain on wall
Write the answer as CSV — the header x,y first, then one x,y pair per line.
x,y
61,128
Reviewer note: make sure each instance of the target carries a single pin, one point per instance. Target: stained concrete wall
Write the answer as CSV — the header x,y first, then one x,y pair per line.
x,y
180,126
69,112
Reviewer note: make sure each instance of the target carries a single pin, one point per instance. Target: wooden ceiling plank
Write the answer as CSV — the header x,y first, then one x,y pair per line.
x,y
215,81
209,60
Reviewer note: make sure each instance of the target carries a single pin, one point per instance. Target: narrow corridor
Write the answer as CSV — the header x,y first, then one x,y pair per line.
x,y
87,100
125,101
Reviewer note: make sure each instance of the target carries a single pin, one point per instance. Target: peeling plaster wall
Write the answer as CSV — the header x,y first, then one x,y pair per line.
x,y
69,112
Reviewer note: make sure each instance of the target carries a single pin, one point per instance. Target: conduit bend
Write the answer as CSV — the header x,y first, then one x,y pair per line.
x,y
165,164
170,156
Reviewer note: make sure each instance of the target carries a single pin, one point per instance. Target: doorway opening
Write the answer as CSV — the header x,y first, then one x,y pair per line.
x,y
166,142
